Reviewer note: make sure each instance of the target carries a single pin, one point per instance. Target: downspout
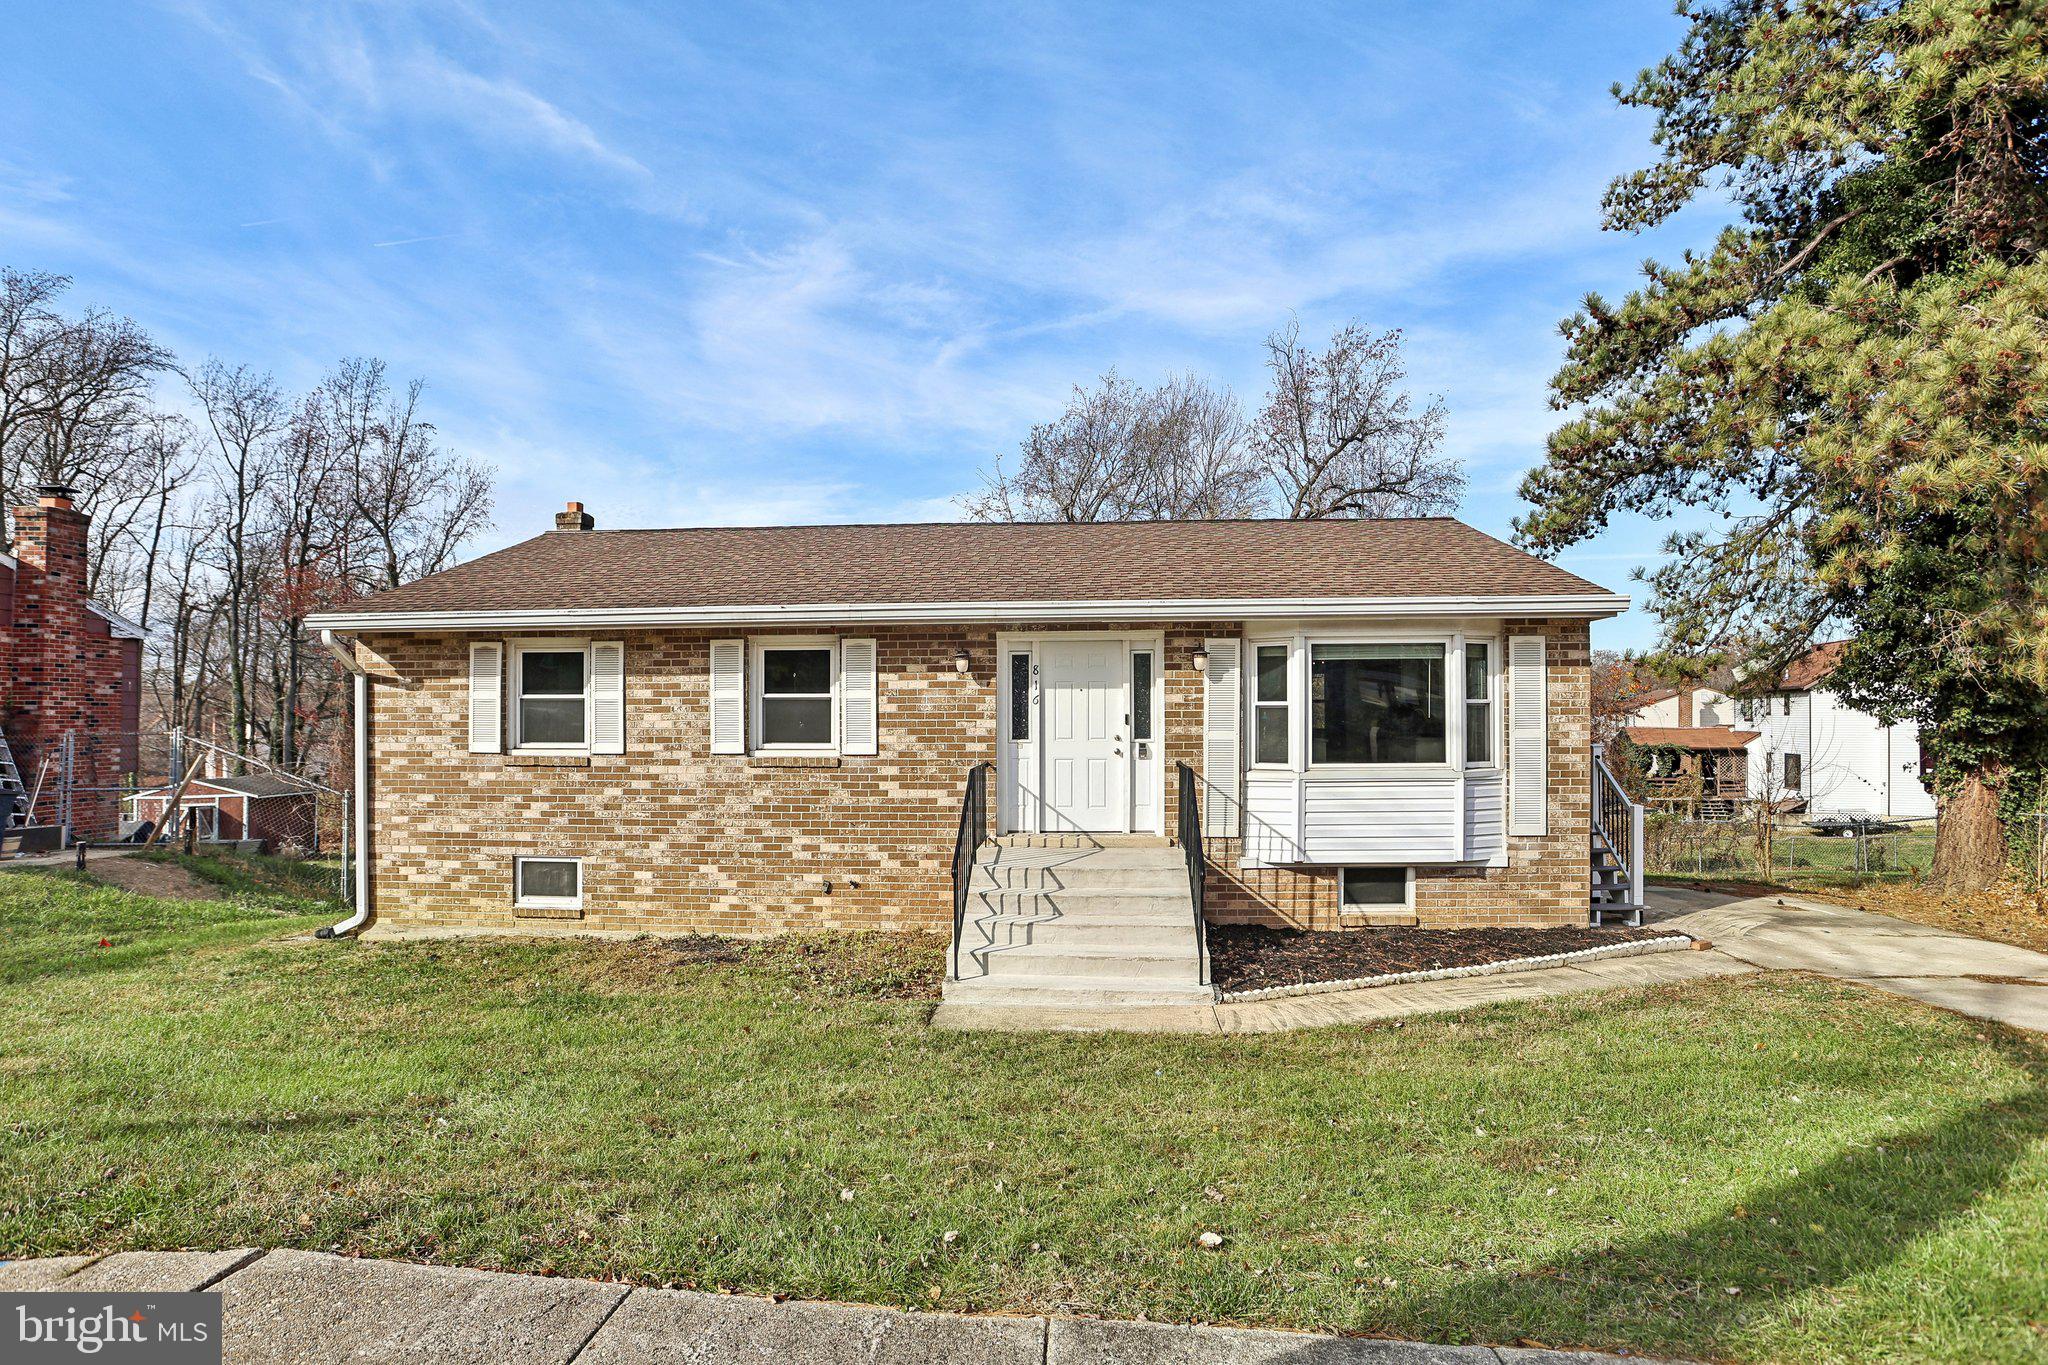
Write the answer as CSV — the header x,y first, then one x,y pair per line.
x,y
360,681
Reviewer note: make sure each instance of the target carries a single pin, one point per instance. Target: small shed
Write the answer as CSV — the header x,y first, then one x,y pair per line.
x,y
273,810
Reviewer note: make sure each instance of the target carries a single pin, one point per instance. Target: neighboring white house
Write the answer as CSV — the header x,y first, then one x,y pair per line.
x,y
1812,751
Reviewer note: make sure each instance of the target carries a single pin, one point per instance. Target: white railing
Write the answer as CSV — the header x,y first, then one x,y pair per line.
x,y
1618,821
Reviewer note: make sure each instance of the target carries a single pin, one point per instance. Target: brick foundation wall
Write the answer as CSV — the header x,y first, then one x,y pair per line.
x,y
675,838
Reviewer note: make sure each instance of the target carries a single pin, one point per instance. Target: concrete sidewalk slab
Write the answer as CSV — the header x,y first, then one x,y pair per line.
x,y
303,1308
42,1273
157,1272
660,1325
1080,1341
1972,976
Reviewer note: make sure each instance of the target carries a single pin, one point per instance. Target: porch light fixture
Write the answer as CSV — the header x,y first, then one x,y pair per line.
x,y
961,661
1201,658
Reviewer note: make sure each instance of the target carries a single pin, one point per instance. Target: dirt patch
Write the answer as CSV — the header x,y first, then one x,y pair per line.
x,y
1250,958
164,881
832,966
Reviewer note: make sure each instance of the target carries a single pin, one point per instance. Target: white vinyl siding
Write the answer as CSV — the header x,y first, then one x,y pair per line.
x,y
486,697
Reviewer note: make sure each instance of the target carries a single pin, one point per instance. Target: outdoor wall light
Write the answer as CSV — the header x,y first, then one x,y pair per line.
x,y
961,661
1201,659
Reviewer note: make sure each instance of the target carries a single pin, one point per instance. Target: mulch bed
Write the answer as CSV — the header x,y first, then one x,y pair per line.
x,y
1252,958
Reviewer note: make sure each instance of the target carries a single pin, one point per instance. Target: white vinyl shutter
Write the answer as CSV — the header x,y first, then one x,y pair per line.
x,y
856,696
607,697
1222,708
1528,737
486,697
728,696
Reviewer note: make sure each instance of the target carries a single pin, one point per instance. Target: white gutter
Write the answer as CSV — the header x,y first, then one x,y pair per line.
x,y
360,681
1588,605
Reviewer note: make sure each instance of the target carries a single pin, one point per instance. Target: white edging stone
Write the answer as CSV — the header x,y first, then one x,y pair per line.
x,y
1514,964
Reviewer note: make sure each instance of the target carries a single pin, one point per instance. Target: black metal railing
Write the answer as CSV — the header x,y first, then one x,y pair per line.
x,y
973,830
1189,829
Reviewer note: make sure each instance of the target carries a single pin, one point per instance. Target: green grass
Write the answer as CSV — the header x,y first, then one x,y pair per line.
x,y
1870,1175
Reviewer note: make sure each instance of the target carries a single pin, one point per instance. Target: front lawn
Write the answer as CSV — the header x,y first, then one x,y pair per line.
x,y
1761,1168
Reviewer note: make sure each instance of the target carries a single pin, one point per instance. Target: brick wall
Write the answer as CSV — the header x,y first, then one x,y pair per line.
x,y
67,672
676,838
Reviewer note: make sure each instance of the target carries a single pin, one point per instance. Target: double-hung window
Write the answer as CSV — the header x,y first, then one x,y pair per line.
x,y
1377,703
1479,708
796,704
551,696
1269,706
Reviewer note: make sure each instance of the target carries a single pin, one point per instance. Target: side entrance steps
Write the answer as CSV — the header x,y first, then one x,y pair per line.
x,y
1089,926
1611,887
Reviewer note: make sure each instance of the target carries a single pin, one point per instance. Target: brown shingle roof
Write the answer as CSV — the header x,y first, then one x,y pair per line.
x,y
1689,736
971,562
1810,668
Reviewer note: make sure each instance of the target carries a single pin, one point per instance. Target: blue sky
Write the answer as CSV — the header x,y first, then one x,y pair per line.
x,y
740,263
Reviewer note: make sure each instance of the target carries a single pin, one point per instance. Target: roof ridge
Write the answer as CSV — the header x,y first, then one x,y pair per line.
x,y
1036,525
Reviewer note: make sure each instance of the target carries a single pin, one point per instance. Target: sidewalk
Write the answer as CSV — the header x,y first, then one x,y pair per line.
x,y
304,1308
1762,933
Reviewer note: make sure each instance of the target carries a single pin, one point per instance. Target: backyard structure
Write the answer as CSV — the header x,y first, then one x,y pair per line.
x,y
758,729
1801,747
272,810
70,675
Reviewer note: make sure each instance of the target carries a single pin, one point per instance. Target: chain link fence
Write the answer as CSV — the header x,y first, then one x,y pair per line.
x,y
169,788
1786,853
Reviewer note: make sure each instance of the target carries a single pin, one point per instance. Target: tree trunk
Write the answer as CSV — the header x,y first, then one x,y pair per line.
x,y
1969,841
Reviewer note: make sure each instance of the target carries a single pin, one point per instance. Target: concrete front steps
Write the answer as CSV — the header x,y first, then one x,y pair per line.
x,y
1066,922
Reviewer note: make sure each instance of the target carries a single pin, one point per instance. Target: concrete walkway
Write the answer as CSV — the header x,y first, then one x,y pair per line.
x,y
304,1308
1765,933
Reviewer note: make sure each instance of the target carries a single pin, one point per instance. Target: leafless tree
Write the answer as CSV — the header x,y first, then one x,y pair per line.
x,y
1125,453
414,503
1339,434
244,413
74,397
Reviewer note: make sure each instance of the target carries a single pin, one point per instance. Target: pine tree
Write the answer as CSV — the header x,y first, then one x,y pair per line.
x,y
1853,374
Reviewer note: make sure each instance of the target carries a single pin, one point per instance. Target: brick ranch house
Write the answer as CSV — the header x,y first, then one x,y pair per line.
x,y
752,730
67,666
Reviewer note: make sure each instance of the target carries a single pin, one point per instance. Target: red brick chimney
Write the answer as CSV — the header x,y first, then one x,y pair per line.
x,y
68,672
574,519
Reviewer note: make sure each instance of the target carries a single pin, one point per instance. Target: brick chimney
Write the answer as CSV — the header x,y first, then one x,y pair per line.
x,y
1685,691
68,673
574,519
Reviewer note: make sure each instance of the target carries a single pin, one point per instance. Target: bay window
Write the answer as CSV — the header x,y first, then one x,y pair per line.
x,y
1377,703
1479,708
1269,706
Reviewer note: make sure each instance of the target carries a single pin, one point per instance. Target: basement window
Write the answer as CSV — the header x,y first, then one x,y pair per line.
x,y
1374,888
548,883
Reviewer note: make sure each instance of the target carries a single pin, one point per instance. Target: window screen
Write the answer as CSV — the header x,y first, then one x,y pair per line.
x,y
796,696
549,879
552,707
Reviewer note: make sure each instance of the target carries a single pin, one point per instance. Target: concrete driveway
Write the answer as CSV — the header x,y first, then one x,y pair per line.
x,y
1789,933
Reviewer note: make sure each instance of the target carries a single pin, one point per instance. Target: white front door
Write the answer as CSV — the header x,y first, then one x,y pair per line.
x,y
1085,731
